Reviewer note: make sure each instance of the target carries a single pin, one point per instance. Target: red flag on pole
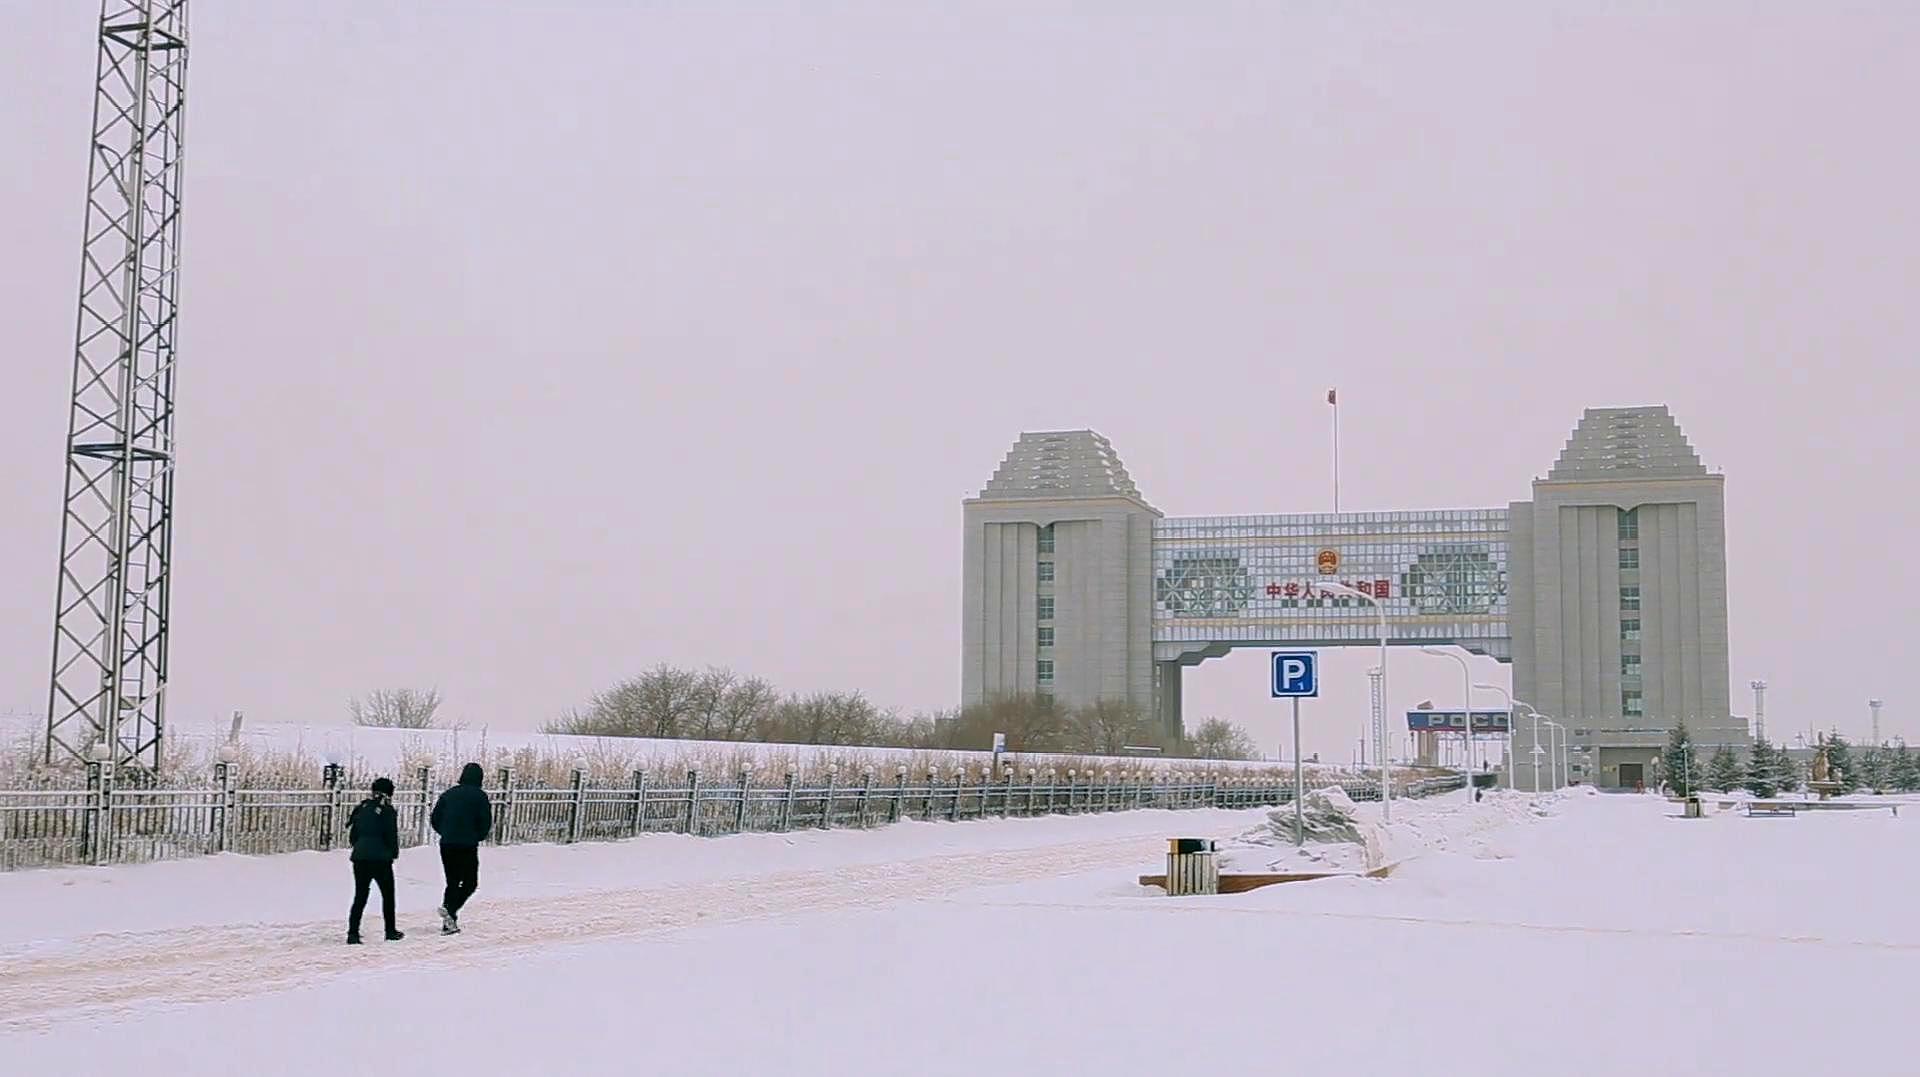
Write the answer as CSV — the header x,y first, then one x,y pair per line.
x,y
1333,398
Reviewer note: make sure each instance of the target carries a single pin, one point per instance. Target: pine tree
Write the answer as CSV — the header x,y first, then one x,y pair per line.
x,y
1786,772
1724,774
1840,764
1904,774
1874,764
1763,770
1679,765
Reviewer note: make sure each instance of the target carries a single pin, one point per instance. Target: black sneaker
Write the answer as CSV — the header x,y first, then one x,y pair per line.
x,y
395,936
353,940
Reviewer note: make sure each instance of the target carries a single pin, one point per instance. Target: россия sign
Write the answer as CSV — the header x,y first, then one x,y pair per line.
x,y
1452,721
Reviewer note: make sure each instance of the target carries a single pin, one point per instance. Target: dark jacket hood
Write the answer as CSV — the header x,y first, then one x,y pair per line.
x,y
471,774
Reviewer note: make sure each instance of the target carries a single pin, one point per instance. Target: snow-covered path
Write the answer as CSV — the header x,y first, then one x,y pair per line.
x,y
1596,940
131,970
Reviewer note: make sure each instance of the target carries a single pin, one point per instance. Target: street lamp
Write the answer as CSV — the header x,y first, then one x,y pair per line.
x,y
1466,732
1556,754
1512,702
1386,767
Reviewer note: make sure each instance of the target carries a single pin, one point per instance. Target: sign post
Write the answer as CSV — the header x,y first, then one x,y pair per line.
x,y
1296,676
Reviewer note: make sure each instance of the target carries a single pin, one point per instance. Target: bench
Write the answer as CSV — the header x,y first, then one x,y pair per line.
x,y
1792,807
1850,805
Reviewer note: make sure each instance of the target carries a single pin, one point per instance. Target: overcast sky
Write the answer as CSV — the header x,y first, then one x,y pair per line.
x,y
527,345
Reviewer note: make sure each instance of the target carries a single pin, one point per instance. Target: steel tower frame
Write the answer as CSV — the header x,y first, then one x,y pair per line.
x,y
116,533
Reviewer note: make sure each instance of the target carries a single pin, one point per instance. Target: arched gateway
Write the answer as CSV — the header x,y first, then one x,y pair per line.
x,y
1607,591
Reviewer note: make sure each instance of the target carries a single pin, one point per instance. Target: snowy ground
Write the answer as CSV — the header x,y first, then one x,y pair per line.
x,y
1613,937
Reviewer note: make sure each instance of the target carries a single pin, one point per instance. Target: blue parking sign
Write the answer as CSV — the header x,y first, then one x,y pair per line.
x,y
1296,674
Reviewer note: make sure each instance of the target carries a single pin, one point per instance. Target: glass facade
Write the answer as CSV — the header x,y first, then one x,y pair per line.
x,y
1439,575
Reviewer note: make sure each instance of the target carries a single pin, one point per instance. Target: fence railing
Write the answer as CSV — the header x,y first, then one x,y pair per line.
x,y
106,823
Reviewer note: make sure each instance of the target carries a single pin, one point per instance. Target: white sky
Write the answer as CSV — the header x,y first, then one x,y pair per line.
x,y
527,345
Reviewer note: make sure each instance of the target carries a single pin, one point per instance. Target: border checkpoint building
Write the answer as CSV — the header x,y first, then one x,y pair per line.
x,y
1607,592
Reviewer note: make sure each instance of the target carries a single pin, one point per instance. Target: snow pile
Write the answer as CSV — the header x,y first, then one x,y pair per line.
x,y
1337,839
1487,830
1343,836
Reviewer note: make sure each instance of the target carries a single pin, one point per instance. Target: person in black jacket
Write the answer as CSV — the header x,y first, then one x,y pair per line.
x,y
463,817
374,832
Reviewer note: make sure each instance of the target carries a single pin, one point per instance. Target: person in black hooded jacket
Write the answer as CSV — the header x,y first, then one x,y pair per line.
x,y
463,817
374,832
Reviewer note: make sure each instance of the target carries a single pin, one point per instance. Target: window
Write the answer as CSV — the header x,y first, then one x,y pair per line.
x,y
1629,665
1046,572
1045,608
1631,704
1046,635
1629,558
1046,539
1630,524
1043,670
1630,629
1629,599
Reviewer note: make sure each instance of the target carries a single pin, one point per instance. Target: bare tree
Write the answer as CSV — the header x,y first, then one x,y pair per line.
x,y
1031,723
397,708
719,704
1217,738
709,690
1106,726
726,706
742,706
657,703
667,701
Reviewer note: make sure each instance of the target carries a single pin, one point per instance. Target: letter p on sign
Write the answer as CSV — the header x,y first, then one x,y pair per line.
x,y
1295,674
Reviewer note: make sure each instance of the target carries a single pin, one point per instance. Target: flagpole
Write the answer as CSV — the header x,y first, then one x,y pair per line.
x,y
1333,397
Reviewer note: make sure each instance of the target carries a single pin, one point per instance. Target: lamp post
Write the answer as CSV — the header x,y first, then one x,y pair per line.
x,y
1513,702
1466,732
1556,755
1386,767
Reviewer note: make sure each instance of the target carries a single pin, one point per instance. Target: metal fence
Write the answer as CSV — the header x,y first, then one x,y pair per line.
x,y
114,823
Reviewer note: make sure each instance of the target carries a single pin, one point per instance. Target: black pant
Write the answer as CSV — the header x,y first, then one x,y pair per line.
x,y
462,865
371,871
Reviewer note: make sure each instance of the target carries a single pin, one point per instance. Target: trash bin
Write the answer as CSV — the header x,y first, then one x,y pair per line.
x,y
1192,867
1691,808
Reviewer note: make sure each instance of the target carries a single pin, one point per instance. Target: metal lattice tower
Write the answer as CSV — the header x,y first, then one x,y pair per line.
x,y
116,534
1378,713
